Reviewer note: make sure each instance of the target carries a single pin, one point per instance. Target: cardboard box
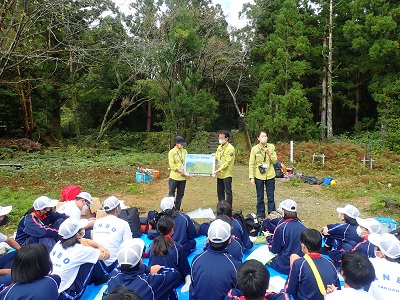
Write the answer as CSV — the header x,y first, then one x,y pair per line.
x,y
89,213
100,214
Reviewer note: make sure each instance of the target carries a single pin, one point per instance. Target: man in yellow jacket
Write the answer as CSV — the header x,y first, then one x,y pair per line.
x,y
177,177
225,159
262,173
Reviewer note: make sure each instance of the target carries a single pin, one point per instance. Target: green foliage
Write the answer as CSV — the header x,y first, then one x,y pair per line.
x,y
284,116
280,105
199,144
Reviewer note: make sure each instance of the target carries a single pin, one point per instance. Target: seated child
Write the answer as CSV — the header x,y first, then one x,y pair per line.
x,y
253,281
357,272
364,229
184,232
285,240
302,283
234,248
386,265
166,252
214,270
238,229
150,283
342,236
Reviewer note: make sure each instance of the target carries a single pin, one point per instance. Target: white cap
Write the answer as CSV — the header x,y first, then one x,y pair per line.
x,y
5,210
86,196
288,205
373,226
110,203
387,243
71,226
130,252
167,203
348,210
219,231
44,202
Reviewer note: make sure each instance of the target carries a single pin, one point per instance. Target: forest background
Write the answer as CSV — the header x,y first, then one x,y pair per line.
x,y
82,73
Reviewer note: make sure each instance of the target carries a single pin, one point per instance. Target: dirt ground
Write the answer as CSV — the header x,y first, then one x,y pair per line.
x,y
316,207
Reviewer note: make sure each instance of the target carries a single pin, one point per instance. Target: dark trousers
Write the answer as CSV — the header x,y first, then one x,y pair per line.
x,y
179,186
76,290
270,189
224,187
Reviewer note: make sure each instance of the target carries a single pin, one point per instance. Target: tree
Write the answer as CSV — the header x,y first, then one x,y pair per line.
x,y
372,32
280,105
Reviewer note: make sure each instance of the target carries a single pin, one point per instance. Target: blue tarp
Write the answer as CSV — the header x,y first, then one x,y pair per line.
x,y
92,290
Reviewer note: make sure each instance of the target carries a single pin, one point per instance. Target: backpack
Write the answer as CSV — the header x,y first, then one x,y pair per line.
x,y
69,193
238,215
252,225
152,218
131,215
278,170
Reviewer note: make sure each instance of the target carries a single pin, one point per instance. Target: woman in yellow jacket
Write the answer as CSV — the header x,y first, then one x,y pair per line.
x,y
177,177
262,173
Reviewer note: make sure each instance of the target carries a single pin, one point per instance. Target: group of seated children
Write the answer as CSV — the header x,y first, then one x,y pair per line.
x,y
62,258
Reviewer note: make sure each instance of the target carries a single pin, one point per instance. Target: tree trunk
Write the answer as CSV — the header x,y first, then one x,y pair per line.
x,y
73,97
329,129
148,127
323,100
356,116
55,124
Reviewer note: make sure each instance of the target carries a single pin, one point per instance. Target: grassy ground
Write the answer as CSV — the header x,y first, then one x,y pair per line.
x,y
108,172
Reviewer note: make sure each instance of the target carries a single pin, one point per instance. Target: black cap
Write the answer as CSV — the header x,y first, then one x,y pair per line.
x,y
180,140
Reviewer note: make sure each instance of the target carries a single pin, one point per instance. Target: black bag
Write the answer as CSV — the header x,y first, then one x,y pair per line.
x,y
196,227
278,171
152,219
131,215
252,225
261,169
238,215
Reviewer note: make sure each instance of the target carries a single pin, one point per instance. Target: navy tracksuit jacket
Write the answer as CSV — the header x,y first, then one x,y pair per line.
x,y
149,287
285,242
213,275
175,258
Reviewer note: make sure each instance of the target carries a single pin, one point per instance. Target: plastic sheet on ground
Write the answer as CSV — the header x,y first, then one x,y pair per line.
x,y
202,213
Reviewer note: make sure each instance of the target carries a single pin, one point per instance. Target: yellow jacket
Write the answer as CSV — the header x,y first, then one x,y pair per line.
x,y
256,159
176,161
225,159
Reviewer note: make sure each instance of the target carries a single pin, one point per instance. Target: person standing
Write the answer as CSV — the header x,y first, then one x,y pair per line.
x,y
225,158
177,177
262,173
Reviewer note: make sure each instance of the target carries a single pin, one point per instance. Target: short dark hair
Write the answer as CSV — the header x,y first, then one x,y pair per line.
x,y
224,208
121,292
350,220
253,279
357,269
219,246
312,239
225,133
225,218
289,214
32,262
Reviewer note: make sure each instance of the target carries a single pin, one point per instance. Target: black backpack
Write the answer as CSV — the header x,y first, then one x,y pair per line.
x,y
238,215
131,215
252,225
278,171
